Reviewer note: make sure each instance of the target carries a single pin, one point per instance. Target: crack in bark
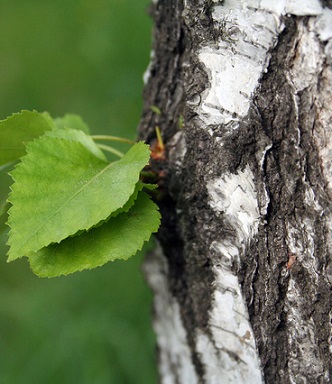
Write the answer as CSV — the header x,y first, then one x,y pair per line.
x,y
285,173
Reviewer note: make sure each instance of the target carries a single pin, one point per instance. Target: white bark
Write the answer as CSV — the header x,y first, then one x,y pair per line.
x,y
171,334
224,349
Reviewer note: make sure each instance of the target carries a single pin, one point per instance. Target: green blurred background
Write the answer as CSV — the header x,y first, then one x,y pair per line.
x,y
85,57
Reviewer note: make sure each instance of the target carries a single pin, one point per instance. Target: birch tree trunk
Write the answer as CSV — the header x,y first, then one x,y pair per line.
x,y
242,274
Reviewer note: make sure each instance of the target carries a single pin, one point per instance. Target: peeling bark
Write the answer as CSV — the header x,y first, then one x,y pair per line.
x,y
242,277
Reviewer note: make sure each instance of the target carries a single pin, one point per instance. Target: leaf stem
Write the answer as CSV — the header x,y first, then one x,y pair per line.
x,y
112,138
159,138
111,150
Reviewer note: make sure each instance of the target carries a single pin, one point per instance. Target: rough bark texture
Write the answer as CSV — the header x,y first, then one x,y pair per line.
x,y
242,276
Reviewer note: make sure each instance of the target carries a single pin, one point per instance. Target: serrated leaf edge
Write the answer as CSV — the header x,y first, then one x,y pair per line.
x,y
9,259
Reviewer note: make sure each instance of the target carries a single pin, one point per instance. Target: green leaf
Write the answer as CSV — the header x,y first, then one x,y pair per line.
x,y
60,188
80,137
71,121
120,238
17,130
130,202
138,187
49,119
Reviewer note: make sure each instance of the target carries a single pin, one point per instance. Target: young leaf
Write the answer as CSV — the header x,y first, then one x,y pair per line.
x,y
71,121
120,238
69,190
17,130
79,136
48,118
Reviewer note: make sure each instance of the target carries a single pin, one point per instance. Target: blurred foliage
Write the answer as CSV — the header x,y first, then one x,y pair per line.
x,y
85,57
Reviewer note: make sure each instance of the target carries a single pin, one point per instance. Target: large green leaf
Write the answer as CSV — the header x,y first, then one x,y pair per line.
x,y
120,238
60,187
17,130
